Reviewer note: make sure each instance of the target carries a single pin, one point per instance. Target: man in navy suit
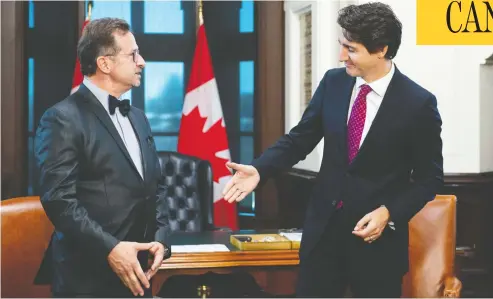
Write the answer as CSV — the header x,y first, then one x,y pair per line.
x,y
382,163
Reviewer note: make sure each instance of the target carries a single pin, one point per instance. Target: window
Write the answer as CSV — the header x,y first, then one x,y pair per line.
x,y
164,94
246,16
164,17
31,14
30,125
246,76
113,9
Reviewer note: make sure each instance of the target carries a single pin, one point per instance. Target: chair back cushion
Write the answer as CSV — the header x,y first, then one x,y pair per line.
x,y
431,248
26,232
189,192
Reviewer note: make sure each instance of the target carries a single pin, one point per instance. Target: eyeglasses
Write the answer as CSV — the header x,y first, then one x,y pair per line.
x,y
135,54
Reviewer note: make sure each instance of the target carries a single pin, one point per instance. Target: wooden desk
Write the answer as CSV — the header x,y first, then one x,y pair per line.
x,y
274,270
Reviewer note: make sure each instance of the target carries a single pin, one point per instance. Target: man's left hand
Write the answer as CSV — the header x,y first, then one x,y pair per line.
x,y
157,250
371,226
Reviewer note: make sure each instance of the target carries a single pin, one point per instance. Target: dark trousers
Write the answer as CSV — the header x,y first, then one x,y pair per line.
x,y
111,286
335,263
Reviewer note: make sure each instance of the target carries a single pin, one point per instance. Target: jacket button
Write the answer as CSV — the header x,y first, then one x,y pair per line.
x,y
334,202
148,198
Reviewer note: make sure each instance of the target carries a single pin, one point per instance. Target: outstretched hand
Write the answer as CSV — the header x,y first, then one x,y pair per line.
x,y
244,181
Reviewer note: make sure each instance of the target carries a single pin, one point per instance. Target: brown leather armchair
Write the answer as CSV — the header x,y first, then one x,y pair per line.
x,y
432,251
26,232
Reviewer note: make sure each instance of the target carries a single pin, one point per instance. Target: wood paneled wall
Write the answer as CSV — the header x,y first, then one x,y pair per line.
x,y
14,103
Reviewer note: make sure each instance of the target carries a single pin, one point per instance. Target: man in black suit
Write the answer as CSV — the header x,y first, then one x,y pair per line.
x,y
100,177
382,163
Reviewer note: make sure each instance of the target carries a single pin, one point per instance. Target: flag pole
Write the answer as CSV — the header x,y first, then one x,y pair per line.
x,y
89,10
199,13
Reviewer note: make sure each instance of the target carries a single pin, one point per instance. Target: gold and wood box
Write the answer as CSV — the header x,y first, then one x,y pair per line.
x,y
261,242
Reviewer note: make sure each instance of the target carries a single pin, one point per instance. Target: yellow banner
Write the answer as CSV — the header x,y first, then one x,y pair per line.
x,y
454,22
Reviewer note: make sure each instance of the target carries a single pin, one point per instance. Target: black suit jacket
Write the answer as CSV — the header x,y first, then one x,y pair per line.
x,y
398,165
92,191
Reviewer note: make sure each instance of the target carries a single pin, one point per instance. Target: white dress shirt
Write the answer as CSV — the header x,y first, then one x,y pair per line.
x,y
122,125
373,102
373,99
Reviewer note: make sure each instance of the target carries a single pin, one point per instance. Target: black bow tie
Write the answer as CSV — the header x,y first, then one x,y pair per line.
x,y
124,105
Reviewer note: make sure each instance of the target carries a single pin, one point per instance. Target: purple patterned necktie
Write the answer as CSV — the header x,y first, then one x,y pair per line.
x,y
355,126
357,122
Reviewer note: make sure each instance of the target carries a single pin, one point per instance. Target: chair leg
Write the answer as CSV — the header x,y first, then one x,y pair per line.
x,y
452,288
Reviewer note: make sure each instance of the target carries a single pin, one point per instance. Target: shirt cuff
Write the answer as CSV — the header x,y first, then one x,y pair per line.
x,y
391,225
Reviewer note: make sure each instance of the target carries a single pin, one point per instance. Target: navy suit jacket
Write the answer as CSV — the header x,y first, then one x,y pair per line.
x,y
399,164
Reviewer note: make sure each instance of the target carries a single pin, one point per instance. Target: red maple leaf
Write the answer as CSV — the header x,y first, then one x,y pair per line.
x,y
204,145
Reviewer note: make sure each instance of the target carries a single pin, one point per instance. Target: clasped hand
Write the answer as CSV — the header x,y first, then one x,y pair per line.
x,y
371,226
123,261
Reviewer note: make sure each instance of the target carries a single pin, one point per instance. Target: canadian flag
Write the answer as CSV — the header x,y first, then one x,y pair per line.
x,y
202,129
78,77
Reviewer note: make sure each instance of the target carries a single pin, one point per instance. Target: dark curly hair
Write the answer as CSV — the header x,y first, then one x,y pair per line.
x,y
97,39
372,24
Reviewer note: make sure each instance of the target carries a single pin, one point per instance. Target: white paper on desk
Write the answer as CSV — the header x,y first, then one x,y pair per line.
x,y
199,248
292,236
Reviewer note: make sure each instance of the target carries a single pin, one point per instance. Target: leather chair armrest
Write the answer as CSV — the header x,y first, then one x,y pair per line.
x,y
453,287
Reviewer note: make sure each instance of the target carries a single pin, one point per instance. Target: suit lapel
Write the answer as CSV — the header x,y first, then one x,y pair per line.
x,y
141,133
93,104
383,118
342,93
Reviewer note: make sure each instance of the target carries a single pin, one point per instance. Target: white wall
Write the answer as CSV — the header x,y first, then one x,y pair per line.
x,y
325,51
455,74
486,118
